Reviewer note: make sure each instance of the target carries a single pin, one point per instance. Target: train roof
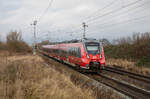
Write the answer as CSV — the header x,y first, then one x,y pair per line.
x,y
91,40
70,43
62,46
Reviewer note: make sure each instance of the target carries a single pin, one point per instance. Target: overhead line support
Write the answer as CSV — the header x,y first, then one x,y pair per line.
x,y
84,26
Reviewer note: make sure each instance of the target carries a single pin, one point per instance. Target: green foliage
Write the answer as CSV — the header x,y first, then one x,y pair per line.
x,y
136,48
144,62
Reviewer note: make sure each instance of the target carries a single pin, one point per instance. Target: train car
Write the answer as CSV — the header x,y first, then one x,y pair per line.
x,y
85,55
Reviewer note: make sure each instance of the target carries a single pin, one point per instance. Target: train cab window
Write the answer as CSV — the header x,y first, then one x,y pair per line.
x,y
93,48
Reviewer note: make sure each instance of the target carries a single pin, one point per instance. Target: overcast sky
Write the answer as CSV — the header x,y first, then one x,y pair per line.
x,y
63,21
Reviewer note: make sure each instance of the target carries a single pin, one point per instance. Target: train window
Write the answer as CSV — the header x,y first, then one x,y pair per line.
x,y
71,52
92,48
63,53
74,51
59,52
78,52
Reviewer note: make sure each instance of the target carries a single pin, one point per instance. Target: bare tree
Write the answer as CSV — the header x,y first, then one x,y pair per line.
x,y
14,36
104,41
15,42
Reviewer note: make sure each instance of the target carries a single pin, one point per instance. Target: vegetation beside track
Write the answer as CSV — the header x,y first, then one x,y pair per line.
x,y
23,76
128,65
136,48
28,77
131,53
15,44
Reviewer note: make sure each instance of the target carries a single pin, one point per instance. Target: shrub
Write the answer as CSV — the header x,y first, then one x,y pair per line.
x,y
15,42
1,45
136,48
26,77
144,62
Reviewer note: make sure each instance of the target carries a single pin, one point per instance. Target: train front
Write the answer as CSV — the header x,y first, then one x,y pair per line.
x,y
93,55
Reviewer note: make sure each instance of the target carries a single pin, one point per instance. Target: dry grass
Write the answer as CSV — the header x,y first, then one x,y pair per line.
x,y
26,77
128,65
6,53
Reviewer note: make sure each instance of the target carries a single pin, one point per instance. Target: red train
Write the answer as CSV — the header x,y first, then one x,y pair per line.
x,y
86,55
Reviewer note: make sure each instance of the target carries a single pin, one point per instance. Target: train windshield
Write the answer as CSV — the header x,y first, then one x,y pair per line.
x,y
93,48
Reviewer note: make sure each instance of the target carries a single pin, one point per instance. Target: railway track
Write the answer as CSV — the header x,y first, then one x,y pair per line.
x,y
123,87
132,75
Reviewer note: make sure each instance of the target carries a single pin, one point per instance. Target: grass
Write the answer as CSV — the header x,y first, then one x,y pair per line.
x,y
27,77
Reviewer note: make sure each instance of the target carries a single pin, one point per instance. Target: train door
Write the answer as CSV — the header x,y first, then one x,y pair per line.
x,y
74,54
77,58
72,57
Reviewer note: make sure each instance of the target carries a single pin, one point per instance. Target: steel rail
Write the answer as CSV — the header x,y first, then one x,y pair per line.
x,y
136,76
124,87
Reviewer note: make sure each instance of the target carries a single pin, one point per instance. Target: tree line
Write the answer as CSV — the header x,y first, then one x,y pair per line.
x,y
15,43
135,47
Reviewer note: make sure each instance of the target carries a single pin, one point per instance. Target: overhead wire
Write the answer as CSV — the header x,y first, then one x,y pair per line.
x,y
126,11
120,23
46,10
113,11
101,9
114,17
105,14
91,15
111,3
114,26
111,25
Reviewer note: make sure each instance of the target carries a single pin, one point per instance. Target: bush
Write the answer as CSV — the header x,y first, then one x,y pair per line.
x,y
15,43
136,48
144,62
1,45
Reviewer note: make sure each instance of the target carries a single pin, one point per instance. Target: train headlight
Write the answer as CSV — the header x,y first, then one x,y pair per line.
x,y
87,65
100,56
88,56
